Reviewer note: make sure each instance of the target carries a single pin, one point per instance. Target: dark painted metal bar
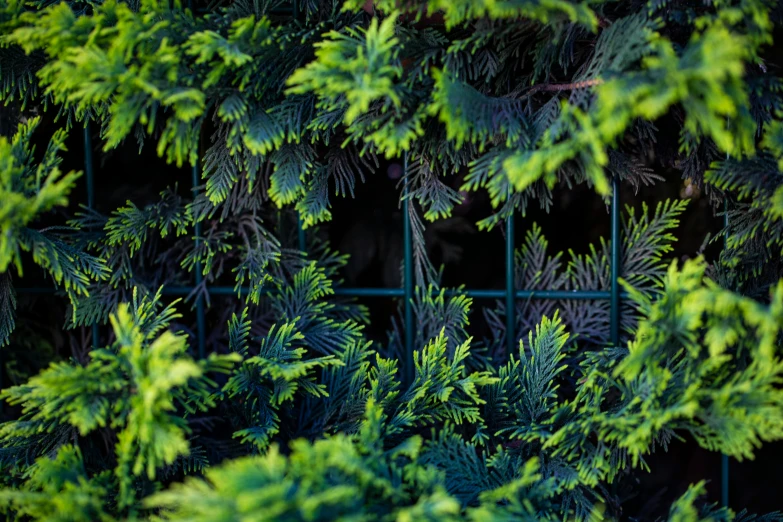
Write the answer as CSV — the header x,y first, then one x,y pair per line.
x,y
724,459
614,318
510,294
28,290
300,235
90,179
409,370
88,170
200,313
563,294
384,292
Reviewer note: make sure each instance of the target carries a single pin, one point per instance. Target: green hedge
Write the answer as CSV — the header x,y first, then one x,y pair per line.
x,y
295,414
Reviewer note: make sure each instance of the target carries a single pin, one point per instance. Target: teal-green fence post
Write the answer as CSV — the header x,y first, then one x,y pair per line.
x,y
407,276
614,317
200,314
200,317
510,290
724,460
300,235
300,232
90,179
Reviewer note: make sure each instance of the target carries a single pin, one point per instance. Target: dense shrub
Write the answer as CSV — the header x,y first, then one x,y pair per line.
x,y
294,413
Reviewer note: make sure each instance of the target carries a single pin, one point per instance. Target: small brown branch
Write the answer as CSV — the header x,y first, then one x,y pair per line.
x,y
572,86
557,87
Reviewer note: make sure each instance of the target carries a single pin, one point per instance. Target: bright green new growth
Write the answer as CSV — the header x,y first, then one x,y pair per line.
x,y
60,489
132,386
28,192
333,74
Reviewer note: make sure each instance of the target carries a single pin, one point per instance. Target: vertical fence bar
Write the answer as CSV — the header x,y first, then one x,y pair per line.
x,y
2,366
407,276
300,234
89,175
614,318
724,459
510,289
200,319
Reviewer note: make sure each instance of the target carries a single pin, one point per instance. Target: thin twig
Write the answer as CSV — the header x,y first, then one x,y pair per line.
x,y
557,87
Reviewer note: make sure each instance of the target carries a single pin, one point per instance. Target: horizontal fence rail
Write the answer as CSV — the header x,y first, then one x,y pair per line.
x,y
379,292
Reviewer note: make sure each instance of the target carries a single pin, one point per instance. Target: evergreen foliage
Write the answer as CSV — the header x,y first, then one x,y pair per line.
x,y
295,413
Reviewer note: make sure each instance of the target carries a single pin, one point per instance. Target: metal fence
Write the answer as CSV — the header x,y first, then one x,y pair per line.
x,y
406,291
510,294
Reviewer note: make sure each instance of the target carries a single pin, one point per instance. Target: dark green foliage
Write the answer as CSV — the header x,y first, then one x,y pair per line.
x,y
296,414
31,187
130,387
